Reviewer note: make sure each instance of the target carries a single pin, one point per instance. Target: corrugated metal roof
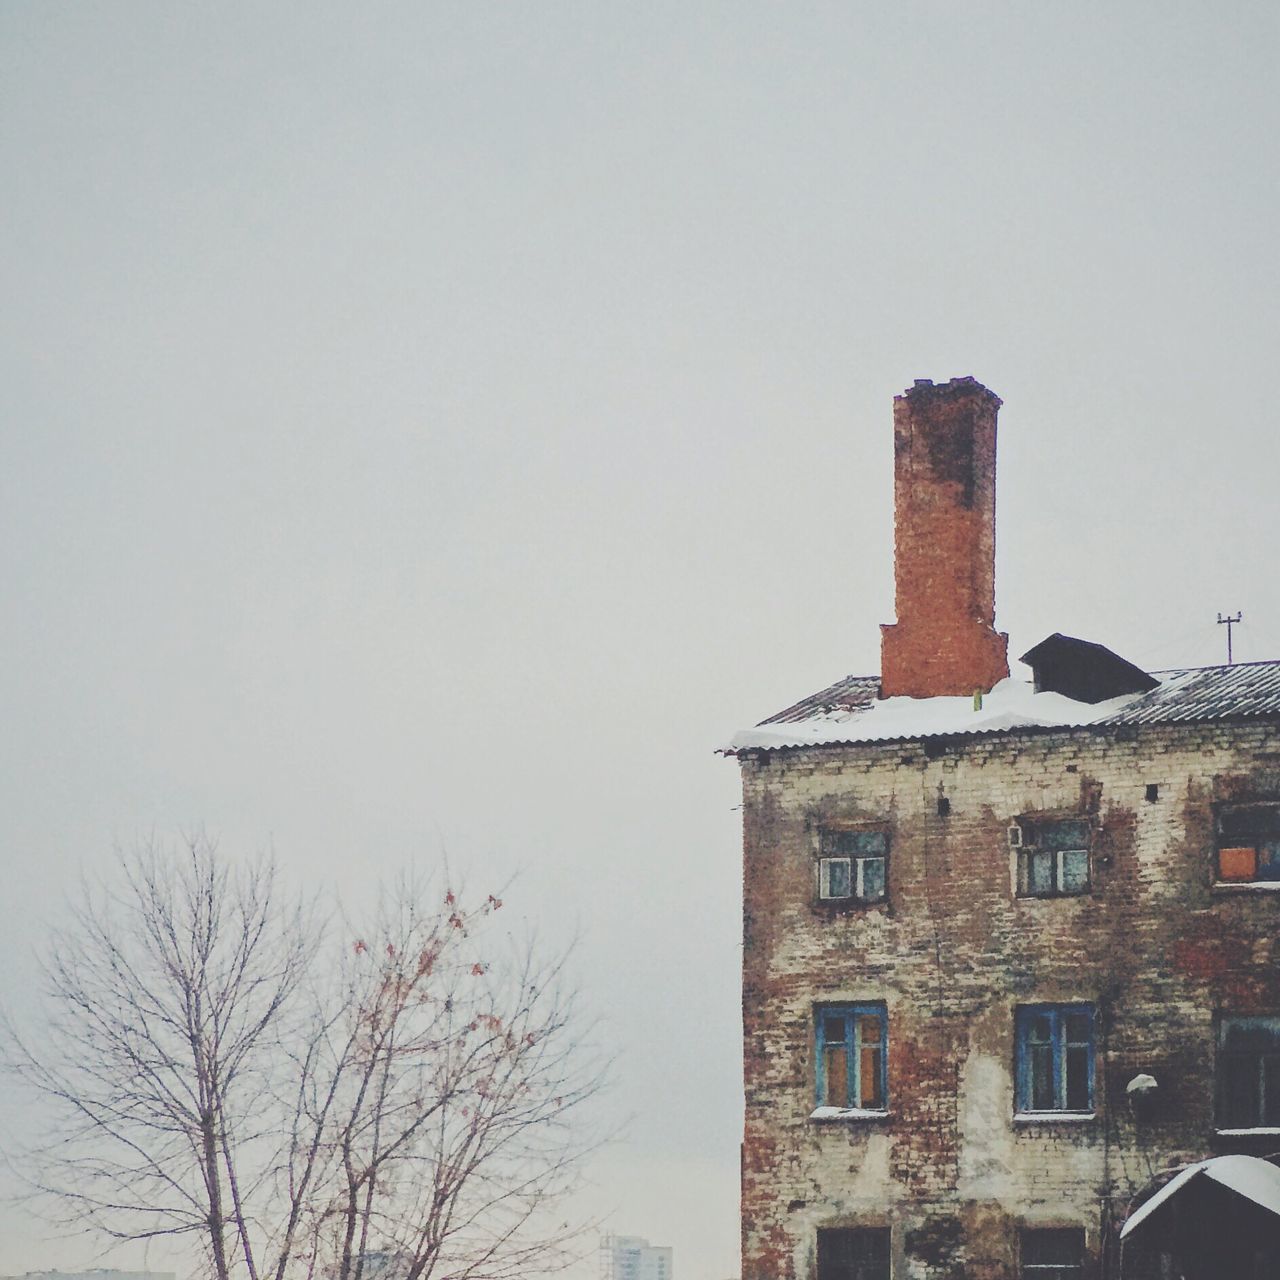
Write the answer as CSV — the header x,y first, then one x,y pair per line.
x,y
1206,693
853,693
1186,694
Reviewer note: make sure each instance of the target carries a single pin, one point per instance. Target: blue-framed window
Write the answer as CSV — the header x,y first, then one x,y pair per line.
x,y
1055,1053
853,1056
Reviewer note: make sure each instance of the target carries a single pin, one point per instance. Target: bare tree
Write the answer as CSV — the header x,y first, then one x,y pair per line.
x,y
392,1104
165,991
459,1069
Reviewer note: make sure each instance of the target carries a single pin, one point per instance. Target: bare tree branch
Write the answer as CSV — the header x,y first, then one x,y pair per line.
x,y
163,992
402,1103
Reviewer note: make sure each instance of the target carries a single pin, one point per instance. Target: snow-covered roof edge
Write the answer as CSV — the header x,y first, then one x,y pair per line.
x,y
849,712
1012,704
1249,1176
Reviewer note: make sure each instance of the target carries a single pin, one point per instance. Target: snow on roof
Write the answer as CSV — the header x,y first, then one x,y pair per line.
x,y
1012,704
849,711
1248,1176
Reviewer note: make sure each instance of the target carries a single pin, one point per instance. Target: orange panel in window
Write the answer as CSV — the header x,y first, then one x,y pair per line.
x,y
869,1070
837,1070
1237,864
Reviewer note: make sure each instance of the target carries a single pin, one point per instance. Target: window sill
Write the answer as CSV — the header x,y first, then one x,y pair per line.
x,y
1246,886
1054,1117
1054,895
1262,1131
829,1115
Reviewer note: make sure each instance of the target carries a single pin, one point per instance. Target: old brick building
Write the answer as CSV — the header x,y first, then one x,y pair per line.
x,y
1007,957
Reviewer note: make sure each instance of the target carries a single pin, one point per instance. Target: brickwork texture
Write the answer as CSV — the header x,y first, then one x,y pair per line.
x,y
1153,946
944,641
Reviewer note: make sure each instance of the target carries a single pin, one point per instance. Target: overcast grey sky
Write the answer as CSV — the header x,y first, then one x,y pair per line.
x,y
441,425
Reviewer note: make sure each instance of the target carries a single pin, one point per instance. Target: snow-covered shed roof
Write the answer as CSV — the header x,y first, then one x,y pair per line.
x,y
1248,1176
850,711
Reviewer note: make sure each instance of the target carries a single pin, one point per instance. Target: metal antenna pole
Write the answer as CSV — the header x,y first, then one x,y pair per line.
x,y
1230,621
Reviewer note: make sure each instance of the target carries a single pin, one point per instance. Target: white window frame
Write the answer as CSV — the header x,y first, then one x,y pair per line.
x,y
1023,846
824,879
856,868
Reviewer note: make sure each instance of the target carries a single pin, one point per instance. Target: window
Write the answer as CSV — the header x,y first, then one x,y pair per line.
x,y
852,1062
1249,1073
1053,1253
1053,856
1055,1058
853,1253
1249,843
852,865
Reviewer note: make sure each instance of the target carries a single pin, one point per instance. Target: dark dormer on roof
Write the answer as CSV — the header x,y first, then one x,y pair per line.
x,y
1083,670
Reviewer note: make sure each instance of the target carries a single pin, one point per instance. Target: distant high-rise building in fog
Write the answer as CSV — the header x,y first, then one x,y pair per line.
x,y
631,1258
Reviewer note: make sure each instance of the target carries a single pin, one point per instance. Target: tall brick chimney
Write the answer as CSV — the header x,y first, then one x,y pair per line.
x,y
944,496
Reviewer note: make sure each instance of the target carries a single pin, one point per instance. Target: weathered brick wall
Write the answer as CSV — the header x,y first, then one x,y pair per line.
x,y
1153,946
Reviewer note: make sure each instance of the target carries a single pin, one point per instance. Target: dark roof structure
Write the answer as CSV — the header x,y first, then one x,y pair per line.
x,y
1084,670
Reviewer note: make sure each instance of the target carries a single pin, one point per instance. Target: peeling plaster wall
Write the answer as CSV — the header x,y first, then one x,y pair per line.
x,y
953,951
